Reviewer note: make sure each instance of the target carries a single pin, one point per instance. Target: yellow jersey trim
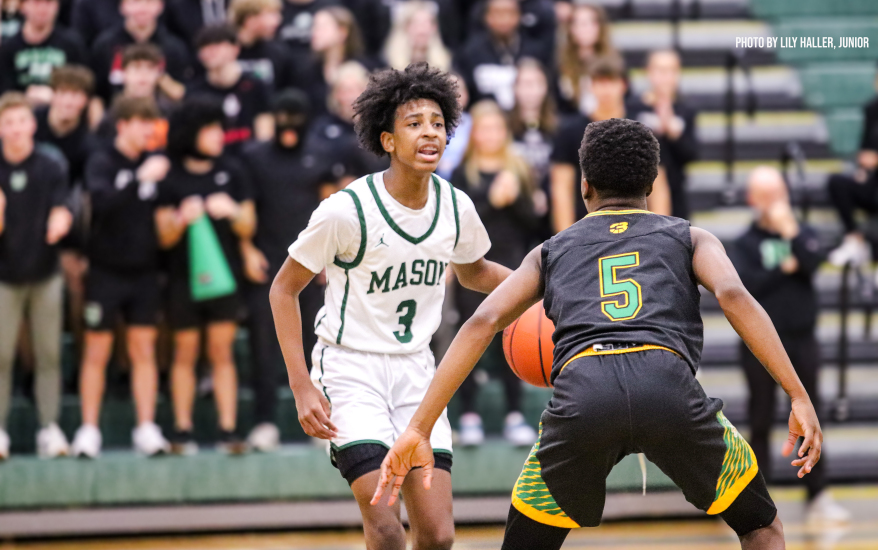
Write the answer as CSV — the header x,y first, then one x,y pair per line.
x,y
591,351
543,517
732,493
615,212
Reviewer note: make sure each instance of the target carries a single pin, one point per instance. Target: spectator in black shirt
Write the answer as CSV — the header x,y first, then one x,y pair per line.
x,y
777,259
487,60
298,20
202,181
335,131
609,86
261,55
142,69
27,59
672,122
500,184
245,98
64,122
289,177
537,20
33,218
140,25
92,17
123,278
858,191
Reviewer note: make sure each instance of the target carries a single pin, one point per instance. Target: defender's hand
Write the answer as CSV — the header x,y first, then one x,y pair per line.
x,y
804,423
314,412
411,450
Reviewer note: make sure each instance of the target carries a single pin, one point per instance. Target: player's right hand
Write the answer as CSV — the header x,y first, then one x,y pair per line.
x,y
804,423
411,450
314,411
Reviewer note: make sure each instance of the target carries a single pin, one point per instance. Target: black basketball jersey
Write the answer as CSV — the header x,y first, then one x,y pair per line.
x,y
622,276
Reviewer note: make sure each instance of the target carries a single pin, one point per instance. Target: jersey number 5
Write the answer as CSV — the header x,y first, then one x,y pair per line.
x,y
410,307
630,298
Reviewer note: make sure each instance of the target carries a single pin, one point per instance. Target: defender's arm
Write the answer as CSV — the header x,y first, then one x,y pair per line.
x,y
715,272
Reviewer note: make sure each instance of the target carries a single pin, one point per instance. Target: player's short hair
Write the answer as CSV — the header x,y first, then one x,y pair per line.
x,y
608,66
375,109
73,77
149,53
619,158
215,34
242,10
12,100
126,108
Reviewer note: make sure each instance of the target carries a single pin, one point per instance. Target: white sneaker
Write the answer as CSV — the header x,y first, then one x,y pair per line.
x,y
51,442
87,441
853,249
4,445
517,431
471,432
149,441
824,509
264,437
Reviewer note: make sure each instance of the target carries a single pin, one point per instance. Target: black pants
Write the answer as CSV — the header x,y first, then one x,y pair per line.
x,y
467,302
847,195
267,362
804,352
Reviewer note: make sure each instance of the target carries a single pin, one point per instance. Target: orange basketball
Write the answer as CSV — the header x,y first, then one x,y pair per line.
x,y
528,346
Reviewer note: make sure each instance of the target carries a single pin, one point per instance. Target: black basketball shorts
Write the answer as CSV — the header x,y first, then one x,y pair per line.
x,y
610,404
186,313
110,295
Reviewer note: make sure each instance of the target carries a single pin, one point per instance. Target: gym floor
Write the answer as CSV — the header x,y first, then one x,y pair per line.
x,y
860,534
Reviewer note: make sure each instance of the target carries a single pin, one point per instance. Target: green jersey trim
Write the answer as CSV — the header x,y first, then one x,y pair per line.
x,y
392,224
456,216
344,304
321,377
362,250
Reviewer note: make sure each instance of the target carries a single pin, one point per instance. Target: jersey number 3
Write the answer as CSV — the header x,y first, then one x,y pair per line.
x,y
410,307
629,295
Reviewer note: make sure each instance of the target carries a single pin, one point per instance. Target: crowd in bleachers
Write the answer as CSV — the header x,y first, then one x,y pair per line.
x,y
142,139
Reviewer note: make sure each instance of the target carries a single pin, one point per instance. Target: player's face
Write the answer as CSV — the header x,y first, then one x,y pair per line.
x,y
17,125
419,135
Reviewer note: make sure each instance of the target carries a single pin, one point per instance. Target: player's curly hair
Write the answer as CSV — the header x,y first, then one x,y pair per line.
x,y
375,109
619,158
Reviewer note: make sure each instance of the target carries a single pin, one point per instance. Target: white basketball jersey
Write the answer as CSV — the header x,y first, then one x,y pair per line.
x,y
388,299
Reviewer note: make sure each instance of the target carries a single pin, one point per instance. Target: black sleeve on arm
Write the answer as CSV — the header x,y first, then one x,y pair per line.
x,y
806,249
60,183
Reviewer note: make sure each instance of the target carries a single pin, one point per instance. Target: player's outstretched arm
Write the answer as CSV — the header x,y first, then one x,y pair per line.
x,y
481,275
313,408
412,449
715,272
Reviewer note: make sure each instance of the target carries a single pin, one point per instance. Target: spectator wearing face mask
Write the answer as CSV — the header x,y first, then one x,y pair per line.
x,y
140,25
415,38
123,274
487,60
334,131
206,191
244,97
33,219
672,122
262,56
28,59
283,207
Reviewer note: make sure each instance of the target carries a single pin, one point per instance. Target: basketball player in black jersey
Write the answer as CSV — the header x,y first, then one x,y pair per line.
x,y
621,286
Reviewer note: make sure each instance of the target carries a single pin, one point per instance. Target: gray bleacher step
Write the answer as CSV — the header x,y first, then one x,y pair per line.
x,y
730,222
685,9
707,186
763,135
704,88
705,42
850,452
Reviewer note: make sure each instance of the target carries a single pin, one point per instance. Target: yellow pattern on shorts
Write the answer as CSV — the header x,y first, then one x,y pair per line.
x,y
739,468
531,497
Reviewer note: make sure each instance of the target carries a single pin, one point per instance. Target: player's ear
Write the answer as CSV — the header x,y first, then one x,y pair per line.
x,y
387,142
586,190
649,189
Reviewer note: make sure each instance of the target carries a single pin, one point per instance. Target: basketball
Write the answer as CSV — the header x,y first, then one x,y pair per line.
x,y
528,346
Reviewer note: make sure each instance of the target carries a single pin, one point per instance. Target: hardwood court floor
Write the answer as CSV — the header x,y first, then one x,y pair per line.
x,y
861,534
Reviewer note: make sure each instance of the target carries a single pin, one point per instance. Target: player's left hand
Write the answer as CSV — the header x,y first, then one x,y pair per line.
x,y
804,423
411,450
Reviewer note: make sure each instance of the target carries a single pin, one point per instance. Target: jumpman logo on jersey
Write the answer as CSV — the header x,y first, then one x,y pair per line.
x,y
381,241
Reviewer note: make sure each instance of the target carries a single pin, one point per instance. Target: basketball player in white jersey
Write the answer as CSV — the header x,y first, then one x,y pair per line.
x,y
386,242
